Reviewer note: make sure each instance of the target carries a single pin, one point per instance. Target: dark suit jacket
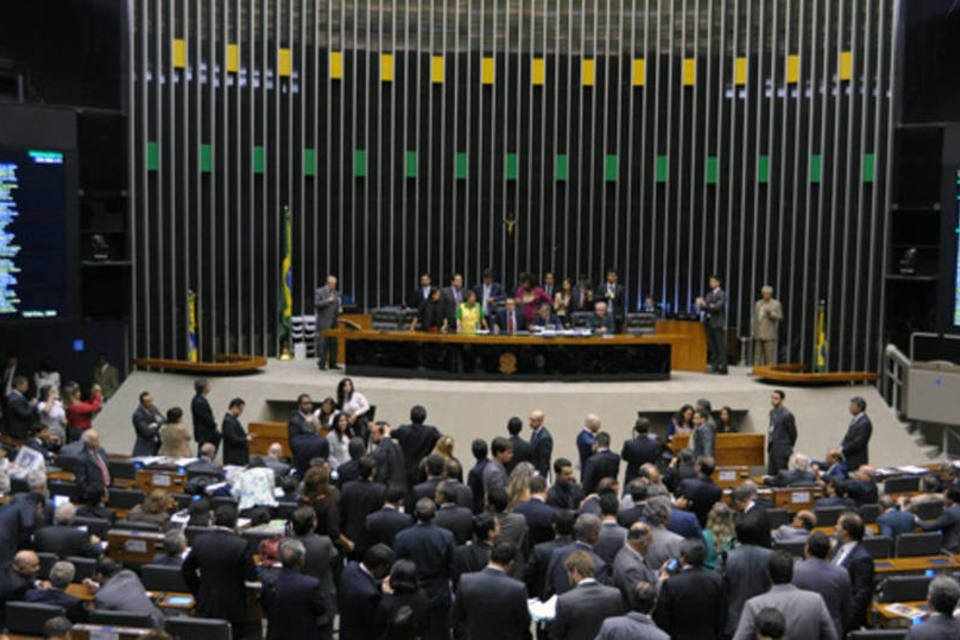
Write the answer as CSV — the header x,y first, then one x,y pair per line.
x,y
684,523
936,627
419,606
464,494
520,323
417,297
675,475
65,541
539,561
855,442
614,303
539,516
202,465
359,499
148,437
894,522
782,434
425,489
608,321
859,564
223,560
475,484
307,447
76,611
294,604
86,470
949,523
703,492
13,586
469,558
236,448
550,321
450,303
204,424
862,492
587,295
627,517
541,443
558,581
602,464
565,496
347,472
18,519
319,563
496,292
744,576
582,610
20,415
835,501
417,441
491,606
833,585
431,549
637,452
391,468
384,525
522,452
359,596
295,425
457,520
693,590
715,306
792,478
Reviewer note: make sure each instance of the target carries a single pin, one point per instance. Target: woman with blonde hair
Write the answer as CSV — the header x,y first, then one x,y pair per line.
x,y
719,534
518,488
444,449
156,508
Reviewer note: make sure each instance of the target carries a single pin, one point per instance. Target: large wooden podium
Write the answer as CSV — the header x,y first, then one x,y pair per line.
x,y
733,449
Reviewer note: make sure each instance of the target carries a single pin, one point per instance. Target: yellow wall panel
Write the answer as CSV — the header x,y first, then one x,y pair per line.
x,y
386,67
336,65
538,71
740,70
689,72
488,70
588,72
793,69
845,65
284,62
233,58
436,69
179,53
639,77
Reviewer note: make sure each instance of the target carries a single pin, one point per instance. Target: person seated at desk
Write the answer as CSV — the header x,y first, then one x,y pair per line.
x,y
431,314
797,473
942,596
157,508
650,306
893,520
798,529
41,442
836,497
116,589
205,464
94,498
64,539
470,315
545,319
725,421
54,592
602,321
509,320
862,488
947,522
174,548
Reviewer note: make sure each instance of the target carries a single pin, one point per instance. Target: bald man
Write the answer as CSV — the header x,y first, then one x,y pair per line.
x,y
92,466
18,578
586,439
541,443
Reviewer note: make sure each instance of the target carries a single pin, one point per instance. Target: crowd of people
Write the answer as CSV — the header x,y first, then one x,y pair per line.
x,y
388,534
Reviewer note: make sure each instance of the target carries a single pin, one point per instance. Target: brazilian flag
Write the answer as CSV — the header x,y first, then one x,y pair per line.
x,y
822,345
285,298
193,354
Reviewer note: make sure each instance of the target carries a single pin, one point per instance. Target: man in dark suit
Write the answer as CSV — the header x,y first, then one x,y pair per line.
x,y
836,496
302,414
294,602
522,451
854,557
545,319
713,304
20,413
359,499
637,623
147,420
491,604
509,320
474,556
328,304
630,565
452,471
21,516
602,321
17,578
637,490
216,569
701,493
417,441
797,473
64,539
942,596
431,549
602,464
565,493
61,575
857,438
582,299
306,446
360,594
745,571
612,293
391,468
746,503
204,424
586,530
862,488
204,464
452,296
350,470
174,548
321,557
541,444
427,488
39,441
539,559
489,293
539,515
691,589
475,476
948,521
236,441
582,609
92,466
781,434
892,520
612,535
683,467
454,518
639,450
815,573
422,292
384,525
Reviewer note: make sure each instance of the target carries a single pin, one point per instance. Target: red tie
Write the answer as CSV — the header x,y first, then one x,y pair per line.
x,y
103,469
510,324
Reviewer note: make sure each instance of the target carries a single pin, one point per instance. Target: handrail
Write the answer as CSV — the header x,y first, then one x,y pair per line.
x,y
893,381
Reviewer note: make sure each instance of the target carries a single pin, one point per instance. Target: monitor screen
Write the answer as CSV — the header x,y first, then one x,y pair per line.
x,y
33,257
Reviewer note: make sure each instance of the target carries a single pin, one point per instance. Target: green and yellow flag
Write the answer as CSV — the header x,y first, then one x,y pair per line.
x,y
285,299
193,353
822,345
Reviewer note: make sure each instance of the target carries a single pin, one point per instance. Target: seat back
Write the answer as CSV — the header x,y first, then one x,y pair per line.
x,y
159,577
777,517
904,588
919,544
878,546
828,516
136,525
28,618
85,567
795,547
284,510
183,500
125,498
928,510
121,619
63,488
125,469
869,513
901,484
47,560
184,628
878,634
96,526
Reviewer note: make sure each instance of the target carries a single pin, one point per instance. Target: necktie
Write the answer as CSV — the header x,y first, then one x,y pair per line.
x,y
510,324
456,296
103,469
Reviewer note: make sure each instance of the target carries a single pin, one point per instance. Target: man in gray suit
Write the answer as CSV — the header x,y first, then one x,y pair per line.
x,y
637,624
629,566
804,611
942,594
665,543
704,438
120,590
713,304
745,572
816,574
328,304
582,610
767,314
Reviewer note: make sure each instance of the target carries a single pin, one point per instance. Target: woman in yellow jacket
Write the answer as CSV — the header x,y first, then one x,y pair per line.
x,y
470,314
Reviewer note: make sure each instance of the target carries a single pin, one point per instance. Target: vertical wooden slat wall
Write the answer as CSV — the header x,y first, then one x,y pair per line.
x,y
667,139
